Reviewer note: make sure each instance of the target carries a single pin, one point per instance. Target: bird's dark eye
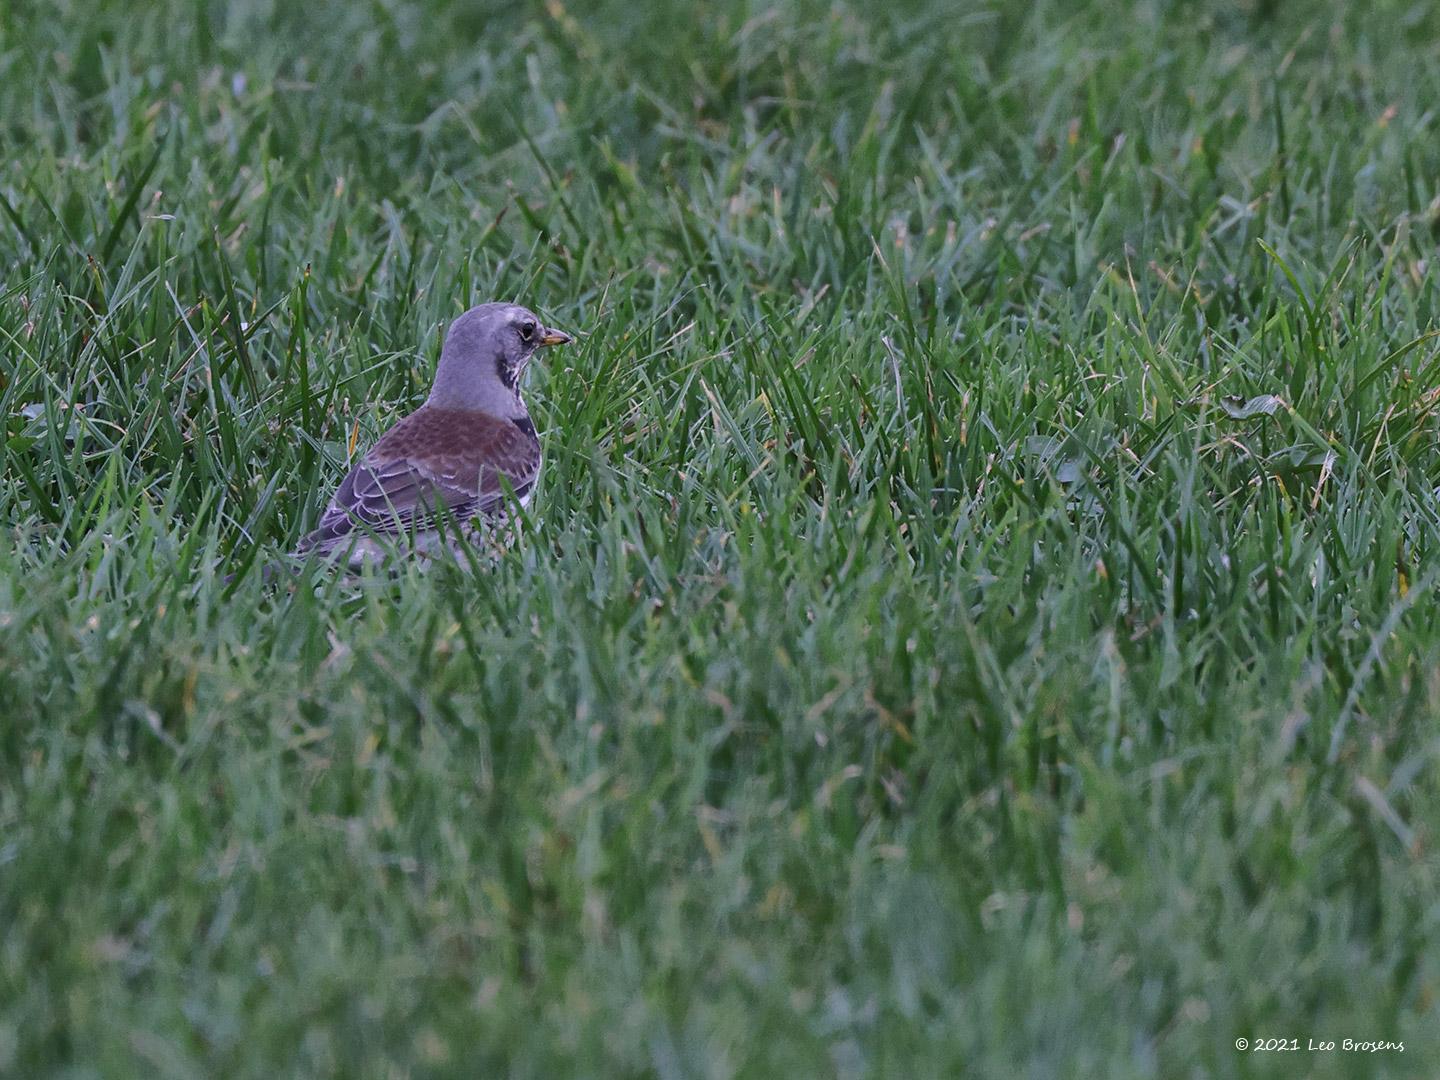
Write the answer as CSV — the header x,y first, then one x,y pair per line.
x,y
527,331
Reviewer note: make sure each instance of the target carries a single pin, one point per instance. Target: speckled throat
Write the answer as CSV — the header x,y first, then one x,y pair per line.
x,y
508,371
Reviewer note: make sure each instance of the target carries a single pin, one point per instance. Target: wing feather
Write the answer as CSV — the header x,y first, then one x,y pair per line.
x,y
433,464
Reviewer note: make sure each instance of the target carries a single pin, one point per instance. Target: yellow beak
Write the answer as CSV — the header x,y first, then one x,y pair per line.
x,y
551,336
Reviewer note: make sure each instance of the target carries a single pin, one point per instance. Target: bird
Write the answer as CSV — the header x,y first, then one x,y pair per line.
x,y
453,465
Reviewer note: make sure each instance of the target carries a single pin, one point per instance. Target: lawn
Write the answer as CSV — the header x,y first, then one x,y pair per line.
x,y
980,616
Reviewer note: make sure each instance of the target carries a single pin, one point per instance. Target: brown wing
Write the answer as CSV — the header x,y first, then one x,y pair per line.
x,y
435,463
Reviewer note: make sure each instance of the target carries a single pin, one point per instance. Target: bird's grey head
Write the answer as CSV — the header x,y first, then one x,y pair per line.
x,y
485,354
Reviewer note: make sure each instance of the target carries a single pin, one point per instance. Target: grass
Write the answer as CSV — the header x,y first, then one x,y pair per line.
x,y
980,616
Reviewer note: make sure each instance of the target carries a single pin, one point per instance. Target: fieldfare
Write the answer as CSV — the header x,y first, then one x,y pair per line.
x,y
452,466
